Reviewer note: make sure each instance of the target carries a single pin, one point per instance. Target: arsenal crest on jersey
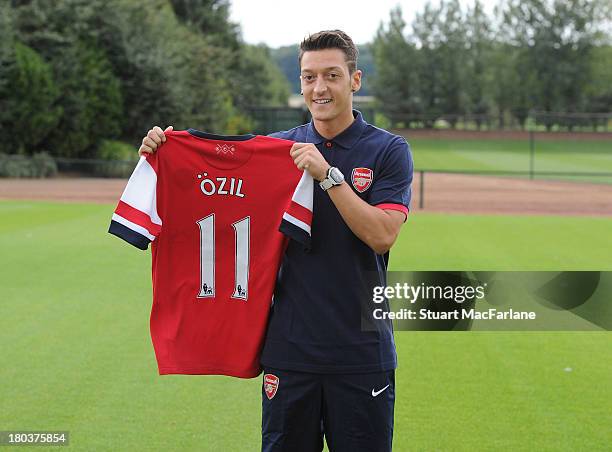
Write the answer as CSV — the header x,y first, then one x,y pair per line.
x,y
270,385
362,179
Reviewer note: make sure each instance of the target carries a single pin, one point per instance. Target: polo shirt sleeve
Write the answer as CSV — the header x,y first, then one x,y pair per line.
x,y
391,188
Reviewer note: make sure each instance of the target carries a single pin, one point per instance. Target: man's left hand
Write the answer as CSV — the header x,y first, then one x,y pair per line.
x,y
307,157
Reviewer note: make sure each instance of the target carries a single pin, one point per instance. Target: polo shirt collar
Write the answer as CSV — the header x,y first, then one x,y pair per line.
x,y
346,138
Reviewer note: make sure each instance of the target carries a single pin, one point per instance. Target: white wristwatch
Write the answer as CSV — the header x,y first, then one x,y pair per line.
x,y
334,177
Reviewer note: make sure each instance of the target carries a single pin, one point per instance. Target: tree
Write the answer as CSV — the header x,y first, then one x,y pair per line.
x,y
253,78
211,18
478,61
599,89
31,103
259,82
426,30
169,73
91,102
27,92
453,57
505,89
395,84
8,67
555,39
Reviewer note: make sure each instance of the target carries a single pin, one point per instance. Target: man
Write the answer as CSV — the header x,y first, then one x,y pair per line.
x,y
328,366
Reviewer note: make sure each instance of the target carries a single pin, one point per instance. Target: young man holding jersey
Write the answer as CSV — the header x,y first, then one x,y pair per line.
x,y
328,366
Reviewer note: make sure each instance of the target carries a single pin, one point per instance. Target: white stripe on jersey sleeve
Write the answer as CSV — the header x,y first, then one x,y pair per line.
x,y
133,226
141,190
300,224
303,191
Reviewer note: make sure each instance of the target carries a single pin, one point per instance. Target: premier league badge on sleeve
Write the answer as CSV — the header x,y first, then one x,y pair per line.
x,y
270,385
362,179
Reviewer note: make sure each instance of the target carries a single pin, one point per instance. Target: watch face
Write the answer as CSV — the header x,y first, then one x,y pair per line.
x,y
336,175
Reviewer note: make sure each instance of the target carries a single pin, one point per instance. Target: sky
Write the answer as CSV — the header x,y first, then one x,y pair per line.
x,y
280,23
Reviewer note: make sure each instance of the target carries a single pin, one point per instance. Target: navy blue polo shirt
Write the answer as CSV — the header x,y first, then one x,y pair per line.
x,y
322,293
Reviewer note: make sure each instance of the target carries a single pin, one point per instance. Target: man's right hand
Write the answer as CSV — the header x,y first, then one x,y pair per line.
x,y
154,139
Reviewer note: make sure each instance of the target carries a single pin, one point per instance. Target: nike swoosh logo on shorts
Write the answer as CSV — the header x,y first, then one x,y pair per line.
x,y
375,393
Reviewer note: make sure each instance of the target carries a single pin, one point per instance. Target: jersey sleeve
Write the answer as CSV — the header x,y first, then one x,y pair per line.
x,y
135,219
392,186
297,218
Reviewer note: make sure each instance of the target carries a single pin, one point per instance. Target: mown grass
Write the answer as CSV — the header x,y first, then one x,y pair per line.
x,y
76,353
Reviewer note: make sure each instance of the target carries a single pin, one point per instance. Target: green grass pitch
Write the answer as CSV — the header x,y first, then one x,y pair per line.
x,y
76,353
511,155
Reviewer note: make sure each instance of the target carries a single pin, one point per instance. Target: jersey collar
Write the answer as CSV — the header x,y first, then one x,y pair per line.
x,y
212,136
346,138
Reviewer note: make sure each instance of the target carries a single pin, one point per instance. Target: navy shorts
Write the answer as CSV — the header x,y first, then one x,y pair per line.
x,y
353,411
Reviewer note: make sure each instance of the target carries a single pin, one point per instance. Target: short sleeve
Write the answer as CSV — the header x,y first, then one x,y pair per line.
x,y
391,188
297,218
135,219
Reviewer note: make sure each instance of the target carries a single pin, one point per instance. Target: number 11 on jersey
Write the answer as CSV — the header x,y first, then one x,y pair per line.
x,y
207,257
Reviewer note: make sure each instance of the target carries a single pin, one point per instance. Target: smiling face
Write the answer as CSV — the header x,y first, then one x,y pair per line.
x,y
327,85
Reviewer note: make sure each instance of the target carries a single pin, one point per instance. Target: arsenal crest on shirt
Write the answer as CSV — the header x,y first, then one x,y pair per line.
x,y
270,385
362,179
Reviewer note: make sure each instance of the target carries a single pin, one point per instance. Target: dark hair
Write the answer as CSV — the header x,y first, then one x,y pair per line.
x,y
331,39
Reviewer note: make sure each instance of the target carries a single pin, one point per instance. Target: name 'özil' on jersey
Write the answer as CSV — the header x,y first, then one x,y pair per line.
x,y
213,208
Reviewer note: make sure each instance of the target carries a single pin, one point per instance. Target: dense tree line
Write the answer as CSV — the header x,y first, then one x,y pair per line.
x,y
532,55
76,72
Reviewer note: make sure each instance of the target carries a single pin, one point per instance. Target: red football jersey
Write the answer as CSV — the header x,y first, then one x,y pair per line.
x,y
213,207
